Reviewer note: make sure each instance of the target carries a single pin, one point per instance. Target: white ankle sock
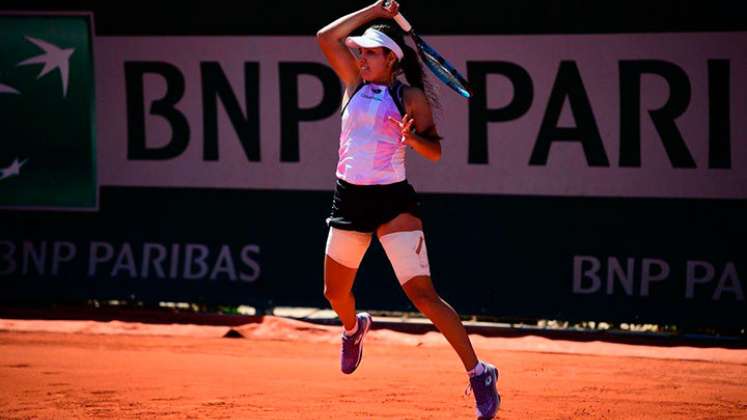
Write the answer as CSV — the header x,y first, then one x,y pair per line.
x,y
479,369
353,330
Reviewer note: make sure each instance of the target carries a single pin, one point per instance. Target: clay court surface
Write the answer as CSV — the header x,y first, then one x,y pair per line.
x,y
284,369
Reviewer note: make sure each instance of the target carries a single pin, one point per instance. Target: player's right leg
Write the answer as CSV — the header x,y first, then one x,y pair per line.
x,y
345,250
338,285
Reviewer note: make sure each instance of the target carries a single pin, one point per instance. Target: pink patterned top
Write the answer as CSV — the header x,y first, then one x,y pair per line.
x,y
371,152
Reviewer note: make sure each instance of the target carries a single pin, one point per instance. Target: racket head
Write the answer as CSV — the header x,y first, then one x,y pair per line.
x,y
441,68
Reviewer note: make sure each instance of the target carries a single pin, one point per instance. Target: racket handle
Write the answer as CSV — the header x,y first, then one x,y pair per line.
x,y
403,23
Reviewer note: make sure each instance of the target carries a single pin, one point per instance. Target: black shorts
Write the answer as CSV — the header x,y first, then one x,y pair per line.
x,y
364,208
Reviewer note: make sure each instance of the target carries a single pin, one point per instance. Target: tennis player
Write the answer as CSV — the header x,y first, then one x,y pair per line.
x,y
381,118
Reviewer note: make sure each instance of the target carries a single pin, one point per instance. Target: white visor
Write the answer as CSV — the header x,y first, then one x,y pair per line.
x,y
373,38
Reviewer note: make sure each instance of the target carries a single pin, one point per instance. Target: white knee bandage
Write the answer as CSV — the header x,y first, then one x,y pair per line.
x,y
347,247
407,253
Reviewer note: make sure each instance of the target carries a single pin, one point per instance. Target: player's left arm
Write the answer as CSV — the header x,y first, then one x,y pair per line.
x,y
417,126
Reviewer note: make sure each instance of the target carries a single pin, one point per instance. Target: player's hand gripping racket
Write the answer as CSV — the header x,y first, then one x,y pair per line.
x,y
435,62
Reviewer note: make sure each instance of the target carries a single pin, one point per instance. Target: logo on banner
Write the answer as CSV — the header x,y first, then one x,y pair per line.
x,y
47,152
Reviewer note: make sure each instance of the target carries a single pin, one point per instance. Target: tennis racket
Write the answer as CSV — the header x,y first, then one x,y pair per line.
x,y
435,62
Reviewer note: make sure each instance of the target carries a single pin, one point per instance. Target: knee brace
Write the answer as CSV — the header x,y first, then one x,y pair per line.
x,y
407,254
347,247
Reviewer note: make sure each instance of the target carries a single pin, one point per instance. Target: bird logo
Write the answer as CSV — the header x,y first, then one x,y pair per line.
x,y
47,115
53,58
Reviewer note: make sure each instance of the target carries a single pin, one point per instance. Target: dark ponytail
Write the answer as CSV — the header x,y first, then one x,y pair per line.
x,y
410,64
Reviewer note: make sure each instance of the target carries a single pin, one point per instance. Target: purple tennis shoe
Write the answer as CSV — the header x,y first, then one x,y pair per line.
x,y
486,394
352,347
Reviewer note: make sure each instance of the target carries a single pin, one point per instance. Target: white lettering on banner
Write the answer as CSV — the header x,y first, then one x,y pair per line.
x,y
32,257
195,254
95,258
248,255
148,249
174,269
591,273
729,282
224,264
6,257
624,276
631,115
650,274
589,270
693,278
62,252
107,260
35,255
124,262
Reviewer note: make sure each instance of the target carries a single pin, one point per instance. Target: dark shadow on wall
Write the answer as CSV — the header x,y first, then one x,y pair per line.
x,y
265,17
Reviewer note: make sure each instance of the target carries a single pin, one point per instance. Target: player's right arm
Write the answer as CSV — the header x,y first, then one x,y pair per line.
x,y
332,40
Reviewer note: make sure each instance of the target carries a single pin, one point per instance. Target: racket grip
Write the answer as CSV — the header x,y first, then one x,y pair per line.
x,y
402,22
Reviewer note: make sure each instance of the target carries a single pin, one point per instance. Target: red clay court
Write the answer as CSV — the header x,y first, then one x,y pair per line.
x,y
278,368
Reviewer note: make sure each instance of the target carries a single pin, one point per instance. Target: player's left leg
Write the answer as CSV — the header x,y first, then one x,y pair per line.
x,y
482,375
421,293
404,243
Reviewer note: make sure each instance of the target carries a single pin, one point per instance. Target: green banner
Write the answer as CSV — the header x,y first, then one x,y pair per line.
x,y
47,113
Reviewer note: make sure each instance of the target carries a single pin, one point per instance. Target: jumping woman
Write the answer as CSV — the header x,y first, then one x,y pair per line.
x,y
381,118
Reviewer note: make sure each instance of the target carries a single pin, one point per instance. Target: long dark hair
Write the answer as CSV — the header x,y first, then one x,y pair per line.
x,y
410,63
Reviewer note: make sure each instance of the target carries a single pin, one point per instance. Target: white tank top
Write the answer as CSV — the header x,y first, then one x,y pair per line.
x,y
371,152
